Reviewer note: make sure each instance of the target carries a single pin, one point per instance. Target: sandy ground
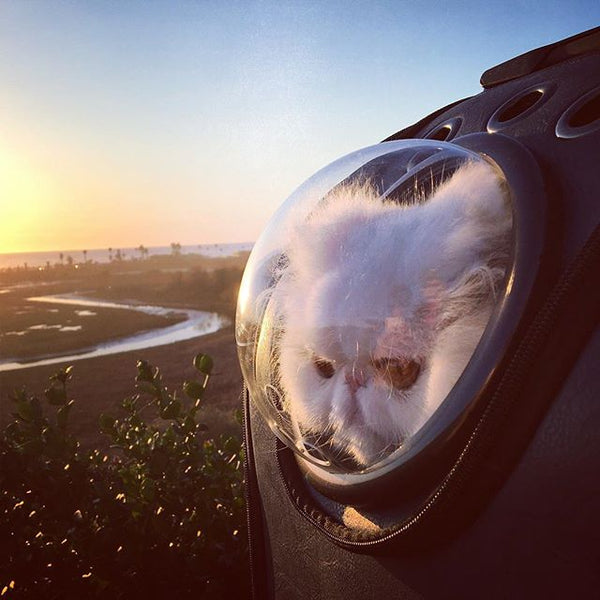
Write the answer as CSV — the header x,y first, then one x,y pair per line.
x,y
99,384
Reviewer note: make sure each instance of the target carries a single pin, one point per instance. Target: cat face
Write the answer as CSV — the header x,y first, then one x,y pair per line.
x,y
381,308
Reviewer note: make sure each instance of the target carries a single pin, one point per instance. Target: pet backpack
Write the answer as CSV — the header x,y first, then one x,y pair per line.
x,y
497,494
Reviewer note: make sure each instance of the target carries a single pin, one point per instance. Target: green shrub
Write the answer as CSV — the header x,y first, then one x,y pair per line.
x,y
159,514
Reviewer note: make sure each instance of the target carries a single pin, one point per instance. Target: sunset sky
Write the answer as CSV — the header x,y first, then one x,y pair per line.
x,y
126,123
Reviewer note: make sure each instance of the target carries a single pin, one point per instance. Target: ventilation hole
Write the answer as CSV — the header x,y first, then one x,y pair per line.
x,y
521,105
446,131
441,134
582,117
587,113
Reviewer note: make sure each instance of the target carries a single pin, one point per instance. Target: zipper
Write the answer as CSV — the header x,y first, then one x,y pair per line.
x,y
572,282
256,552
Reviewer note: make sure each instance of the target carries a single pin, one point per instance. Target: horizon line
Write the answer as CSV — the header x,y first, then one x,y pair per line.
x,y
115,248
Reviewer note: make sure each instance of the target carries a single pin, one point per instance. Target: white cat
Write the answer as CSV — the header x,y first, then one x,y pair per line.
x,y
381,308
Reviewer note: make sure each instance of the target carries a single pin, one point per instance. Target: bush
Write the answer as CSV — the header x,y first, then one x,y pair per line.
x,y
160,514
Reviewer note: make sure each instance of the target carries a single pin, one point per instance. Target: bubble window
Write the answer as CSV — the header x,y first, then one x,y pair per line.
x,y
366,297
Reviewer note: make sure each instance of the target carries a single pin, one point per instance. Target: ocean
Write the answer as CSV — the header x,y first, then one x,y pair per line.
x,y
40,259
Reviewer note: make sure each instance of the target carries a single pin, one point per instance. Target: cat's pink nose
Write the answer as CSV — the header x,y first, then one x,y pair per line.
x,y
356,378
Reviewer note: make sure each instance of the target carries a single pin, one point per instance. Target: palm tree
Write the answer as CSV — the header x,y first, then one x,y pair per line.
x,y
175,248
85,256
62,258
110,255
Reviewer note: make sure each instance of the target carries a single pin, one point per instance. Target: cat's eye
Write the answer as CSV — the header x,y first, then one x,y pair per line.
x,y
400,372
324,367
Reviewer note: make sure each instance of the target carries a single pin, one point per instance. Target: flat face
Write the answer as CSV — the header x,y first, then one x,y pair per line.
x,y
366,296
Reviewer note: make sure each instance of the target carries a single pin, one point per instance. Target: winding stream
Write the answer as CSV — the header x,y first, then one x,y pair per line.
x,y
197,323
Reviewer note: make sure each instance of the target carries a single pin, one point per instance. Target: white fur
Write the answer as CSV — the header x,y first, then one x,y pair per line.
x,y
367,280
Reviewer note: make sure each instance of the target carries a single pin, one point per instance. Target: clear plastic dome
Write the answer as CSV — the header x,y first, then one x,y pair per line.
x,y
366,296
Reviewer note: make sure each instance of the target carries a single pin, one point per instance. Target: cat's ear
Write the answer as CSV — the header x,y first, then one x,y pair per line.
x,y
477,221
313,248
477,196
335,231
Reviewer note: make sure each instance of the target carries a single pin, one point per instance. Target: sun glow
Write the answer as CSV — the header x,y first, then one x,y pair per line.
x,y
26,193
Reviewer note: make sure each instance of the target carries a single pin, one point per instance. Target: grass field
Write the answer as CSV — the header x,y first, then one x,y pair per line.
x,y
99,384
